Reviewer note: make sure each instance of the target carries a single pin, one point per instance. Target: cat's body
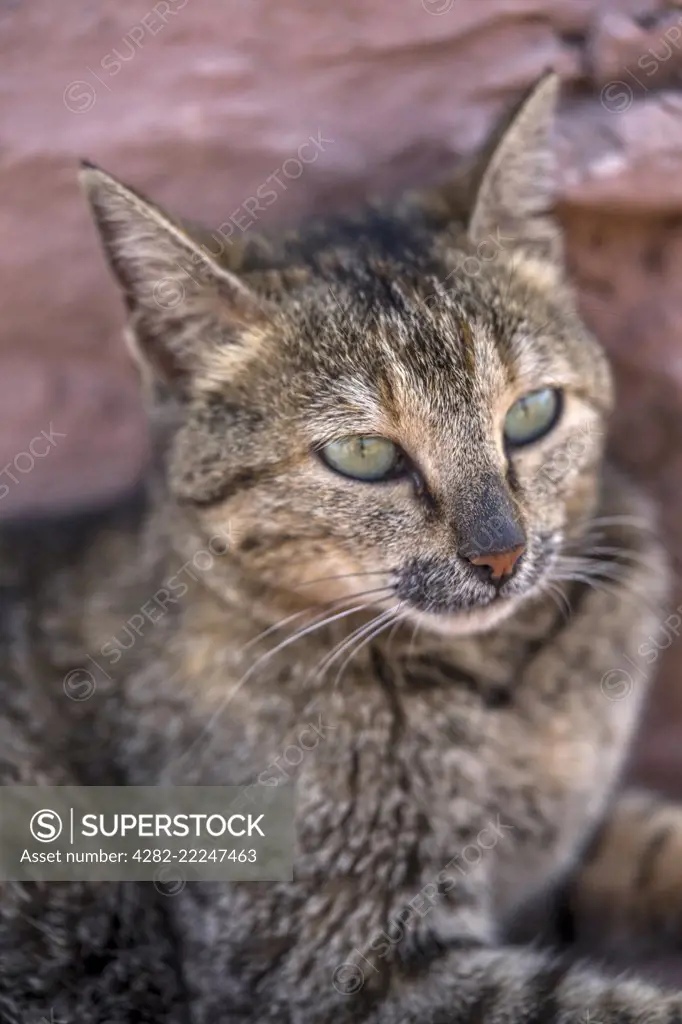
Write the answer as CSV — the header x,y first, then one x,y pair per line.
x,y
449,765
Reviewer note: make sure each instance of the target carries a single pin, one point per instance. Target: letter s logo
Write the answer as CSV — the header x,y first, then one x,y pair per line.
x,y
46,826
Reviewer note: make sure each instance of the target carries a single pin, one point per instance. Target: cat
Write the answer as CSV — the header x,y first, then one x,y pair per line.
x,y
425,606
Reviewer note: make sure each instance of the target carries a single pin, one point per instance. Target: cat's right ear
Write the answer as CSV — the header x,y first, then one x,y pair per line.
x,y
186,311
515,191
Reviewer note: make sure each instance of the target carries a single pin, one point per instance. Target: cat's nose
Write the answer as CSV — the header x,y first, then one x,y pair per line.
x,y
501,563
489,535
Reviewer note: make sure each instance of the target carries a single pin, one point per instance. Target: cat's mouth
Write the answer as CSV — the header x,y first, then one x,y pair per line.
x,y
445,593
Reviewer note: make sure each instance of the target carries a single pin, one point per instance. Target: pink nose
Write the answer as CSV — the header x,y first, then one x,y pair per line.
x,y
501,562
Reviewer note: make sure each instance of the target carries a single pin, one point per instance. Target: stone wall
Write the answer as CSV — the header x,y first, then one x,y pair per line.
x,y
199,102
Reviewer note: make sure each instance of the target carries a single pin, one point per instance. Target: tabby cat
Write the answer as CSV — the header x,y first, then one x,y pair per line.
x,y
427,606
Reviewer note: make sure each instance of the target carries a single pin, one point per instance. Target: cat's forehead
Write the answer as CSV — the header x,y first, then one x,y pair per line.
x,y
411,333
388,295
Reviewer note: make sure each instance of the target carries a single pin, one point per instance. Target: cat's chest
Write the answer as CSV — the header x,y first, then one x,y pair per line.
x,y
439,777
432,745
389,775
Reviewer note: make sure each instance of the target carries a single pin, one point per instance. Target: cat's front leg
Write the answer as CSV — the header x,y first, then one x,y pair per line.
x,y
626,894
516,986
464,978
472,980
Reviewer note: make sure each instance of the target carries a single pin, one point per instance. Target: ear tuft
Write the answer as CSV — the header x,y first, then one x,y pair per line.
x,y
183,305
516,191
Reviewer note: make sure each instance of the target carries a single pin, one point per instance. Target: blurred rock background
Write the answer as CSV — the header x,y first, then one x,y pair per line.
x,y
203,102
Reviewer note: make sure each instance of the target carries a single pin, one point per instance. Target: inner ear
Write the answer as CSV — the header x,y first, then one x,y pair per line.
x,y
185,309
515,196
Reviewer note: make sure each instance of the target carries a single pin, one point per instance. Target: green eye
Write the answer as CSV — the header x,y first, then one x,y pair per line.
x,y
532,416
364,458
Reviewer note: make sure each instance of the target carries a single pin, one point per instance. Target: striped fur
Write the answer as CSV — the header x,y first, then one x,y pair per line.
x,y
451,763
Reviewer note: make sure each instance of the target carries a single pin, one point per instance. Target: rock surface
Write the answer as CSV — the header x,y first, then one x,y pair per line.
x,y
200,101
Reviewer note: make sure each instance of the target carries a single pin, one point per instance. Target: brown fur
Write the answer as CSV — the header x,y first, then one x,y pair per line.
x,y
468,742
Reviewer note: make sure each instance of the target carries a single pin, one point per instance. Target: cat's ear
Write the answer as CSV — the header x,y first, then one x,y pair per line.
x,y
515,192
184,307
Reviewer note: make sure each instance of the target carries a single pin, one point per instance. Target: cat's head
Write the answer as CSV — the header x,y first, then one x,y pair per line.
x,y
401,400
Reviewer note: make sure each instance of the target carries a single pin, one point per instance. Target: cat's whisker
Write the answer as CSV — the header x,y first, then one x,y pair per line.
x,y
394,630
612,551
325,663
592,571
593,563
364,634
637,522
578,577
395,614
604,562
596,567
299,634
415,632
589,567
600,579
553,590
345,576
636,559
328,605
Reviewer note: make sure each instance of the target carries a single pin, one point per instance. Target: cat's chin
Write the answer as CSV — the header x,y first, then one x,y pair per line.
x,y
468,621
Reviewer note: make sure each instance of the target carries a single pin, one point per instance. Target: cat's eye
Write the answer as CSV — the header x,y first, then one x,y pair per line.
x,y
532,416
364,458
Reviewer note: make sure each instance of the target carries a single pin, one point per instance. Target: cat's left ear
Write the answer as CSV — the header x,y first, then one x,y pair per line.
x,y
186,311
515,194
